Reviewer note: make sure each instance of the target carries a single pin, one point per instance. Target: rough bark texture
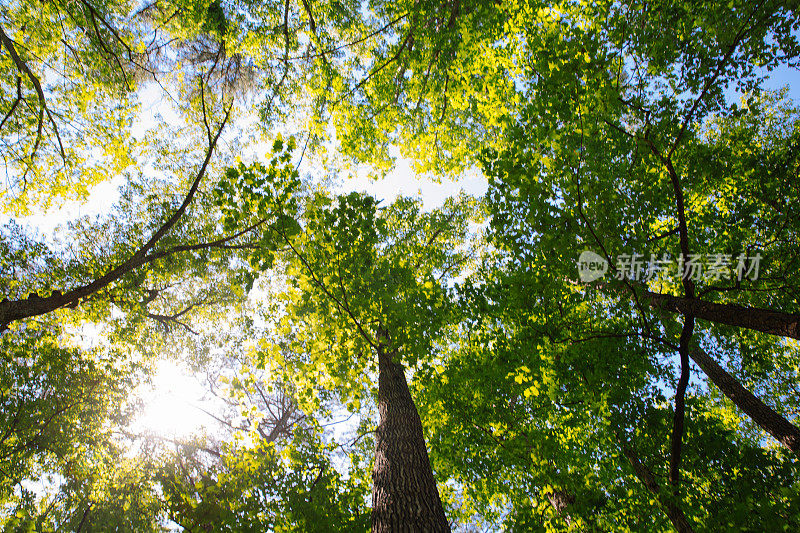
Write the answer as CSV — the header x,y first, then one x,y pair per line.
x,y
404,493
561,500
772,422
644,474
757,319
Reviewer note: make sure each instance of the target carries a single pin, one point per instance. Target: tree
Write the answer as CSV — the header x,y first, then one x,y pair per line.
x,y
284,486
35,305
612,115
68,82
60,406
206,53
268,465
106,273
367,298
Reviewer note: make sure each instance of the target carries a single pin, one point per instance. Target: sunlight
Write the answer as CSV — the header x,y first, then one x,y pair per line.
x,y
173,403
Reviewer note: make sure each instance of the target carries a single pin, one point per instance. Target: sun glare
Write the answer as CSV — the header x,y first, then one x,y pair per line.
x,y
174,405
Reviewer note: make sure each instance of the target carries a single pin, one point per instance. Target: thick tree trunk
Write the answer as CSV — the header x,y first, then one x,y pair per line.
x,y
772,422
404,493
757,319
674,513
561,500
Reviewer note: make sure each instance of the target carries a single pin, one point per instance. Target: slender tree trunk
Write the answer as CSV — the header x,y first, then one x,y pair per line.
x,y
772,422
757,319
679,417
404,493
644,474
763,320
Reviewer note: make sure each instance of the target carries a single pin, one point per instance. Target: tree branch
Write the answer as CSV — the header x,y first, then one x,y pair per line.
x,y
23,67
35,305
14,105
679,415
720,66
644,475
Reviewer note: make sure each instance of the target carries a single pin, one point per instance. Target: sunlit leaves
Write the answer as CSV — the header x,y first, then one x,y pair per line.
x,y
355,266
58,405
288,488
261,198
66,101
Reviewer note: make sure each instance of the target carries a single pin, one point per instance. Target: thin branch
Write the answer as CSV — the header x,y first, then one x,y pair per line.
x,y
313,26
102,43
85,516
644,475
671,232
23,67
720,66
590,227
353,43
377,70
203,105
325,290
110,27
14,105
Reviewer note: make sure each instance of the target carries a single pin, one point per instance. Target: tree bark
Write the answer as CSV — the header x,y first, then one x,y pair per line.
x,y
764,320
679,417
561,500
769,420
404,493
757,319
674,513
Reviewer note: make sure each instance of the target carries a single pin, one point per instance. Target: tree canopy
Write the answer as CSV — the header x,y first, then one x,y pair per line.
x,y
606,339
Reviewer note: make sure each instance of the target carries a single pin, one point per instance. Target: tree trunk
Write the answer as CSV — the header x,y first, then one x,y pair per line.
x,y
766,321
772,422
757,319
404,493
674,513
561,500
